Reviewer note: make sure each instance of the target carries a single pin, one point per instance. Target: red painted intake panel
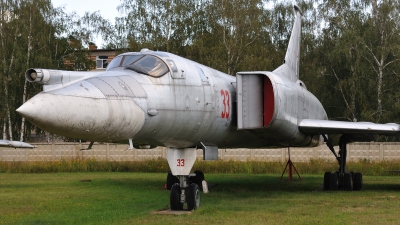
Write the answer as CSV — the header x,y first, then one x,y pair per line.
x,y
268,101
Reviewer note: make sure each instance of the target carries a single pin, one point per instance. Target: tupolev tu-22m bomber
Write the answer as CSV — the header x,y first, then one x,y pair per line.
x,y
153,98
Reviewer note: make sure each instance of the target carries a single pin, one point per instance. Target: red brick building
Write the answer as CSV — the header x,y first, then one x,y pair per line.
x,y
101,56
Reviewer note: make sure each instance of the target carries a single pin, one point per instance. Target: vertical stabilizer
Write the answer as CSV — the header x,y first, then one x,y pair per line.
x,y
290,66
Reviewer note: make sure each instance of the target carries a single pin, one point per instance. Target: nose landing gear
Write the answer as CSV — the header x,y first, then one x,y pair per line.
x,y
185,187
187,191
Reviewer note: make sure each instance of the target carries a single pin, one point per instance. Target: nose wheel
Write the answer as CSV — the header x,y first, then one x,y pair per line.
x,y
186,191
175,197
193,196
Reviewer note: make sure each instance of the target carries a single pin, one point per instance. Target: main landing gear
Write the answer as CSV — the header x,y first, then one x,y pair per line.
x,y
185,187
341,179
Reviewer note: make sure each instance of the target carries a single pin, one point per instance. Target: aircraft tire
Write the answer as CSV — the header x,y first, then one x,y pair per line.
x,y
193,197
347,182
357,182
333,182
171,180
175,198
327,177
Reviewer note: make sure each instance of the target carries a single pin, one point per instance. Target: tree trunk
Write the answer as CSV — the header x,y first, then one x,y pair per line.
x,y
4,130
9,123
379,94
21,138
6,98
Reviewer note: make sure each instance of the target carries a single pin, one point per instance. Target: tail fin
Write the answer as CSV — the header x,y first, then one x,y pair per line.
x,y
291,64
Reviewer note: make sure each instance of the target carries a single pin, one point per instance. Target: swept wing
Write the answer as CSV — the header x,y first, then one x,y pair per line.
x,y
354,131
311,126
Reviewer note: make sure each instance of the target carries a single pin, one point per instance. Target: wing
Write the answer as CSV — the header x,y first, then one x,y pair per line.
x,y
310,126
15,144
354,131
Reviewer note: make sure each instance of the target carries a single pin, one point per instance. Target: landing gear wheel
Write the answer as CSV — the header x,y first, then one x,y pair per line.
x,y
327,177
171,180
333,182
193,197
357,181
347,182
175,198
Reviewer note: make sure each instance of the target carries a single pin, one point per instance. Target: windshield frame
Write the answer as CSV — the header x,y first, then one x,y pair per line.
x,y
147,64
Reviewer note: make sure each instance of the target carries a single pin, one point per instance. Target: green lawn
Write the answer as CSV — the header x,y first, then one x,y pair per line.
x,y
129,198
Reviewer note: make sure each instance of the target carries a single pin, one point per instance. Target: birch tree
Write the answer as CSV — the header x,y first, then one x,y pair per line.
x,y
32,34
381,50
9,31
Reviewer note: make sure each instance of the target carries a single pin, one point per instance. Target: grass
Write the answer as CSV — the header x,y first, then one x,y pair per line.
x,y
129,198
161,166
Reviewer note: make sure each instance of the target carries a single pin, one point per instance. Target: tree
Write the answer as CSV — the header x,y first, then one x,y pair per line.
x,y
338,49
381,51
358,50
32,34
221,34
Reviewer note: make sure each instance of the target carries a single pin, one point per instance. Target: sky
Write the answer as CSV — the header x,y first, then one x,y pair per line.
x,y
108,9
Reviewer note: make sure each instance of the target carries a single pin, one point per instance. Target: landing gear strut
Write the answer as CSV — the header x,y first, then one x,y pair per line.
x,y
341,179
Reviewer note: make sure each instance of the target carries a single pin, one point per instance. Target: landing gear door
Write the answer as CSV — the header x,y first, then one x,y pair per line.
x,y
181,160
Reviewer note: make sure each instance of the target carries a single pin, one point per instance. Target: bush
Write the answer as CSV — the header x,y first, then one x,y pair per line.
x,y
314,166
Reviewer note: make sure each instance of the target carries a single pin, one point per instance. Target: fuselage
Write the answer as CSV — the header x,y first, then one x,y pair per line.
x,y
160,99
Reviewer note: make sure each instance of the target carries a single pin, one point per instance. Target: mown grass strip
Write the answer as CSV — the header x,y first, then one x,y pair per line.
x,y
129,198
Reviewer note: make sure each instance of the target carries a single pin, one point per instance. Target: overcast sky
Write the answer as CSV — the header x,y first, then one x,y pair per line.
x,y
108,9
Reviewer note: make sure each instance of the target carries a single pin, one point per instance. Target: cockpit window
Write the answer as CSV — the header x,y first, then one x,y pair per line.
x,y
129,59
144,64
149,65
115,62
123,61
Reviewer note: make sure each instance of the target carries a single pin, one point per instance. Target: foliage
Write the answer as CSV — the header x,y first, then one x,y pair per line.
x,y
89,165
359,48
349,52
34,34
314,166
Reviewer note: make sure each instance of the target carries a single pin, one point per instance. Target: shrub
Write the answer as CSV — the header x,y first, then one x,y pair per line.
x,y
314,166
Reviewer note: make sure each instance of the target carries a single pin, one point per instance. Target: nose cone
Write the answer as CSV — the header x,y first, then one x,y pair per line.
x,y
95,119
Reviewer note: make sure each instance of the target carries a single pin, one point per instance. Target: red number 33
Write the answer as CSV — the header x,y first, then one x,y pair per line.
x,y
225,101
180,162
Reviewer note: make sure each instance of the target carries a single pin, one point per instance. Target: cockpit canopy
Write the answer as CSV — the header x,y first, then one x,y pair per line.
x,y
144,64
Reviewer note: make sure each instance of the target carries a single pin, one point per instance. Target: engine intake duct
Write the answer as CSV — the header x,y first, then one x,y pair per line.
x,y
37,75
55,78
256,101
